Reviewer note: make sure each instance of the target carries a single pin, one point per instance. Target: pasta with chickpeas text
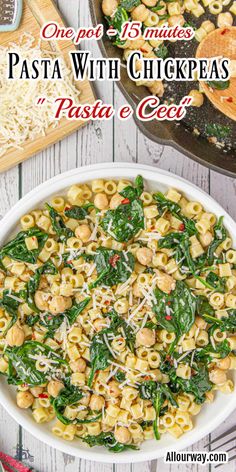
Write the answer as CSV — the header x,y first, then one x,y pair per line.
x,y
118,313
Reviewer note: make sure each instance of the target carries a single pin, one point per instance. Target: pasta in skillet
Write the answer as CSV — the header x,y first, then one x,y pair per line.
x,y
118,313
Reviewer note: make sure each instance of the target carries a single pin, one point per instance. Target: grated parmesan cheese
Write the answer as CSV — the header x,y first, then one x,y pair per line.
x,y
21,118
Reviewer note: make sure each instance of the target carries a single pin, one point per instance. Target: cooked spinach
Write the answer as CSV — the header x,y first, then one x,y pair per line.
x,y
16,249
77,308
120,376
219,84
217,130
162,50
116,21
216,282
107,440
11,305
100,354
58,224
182,304
127,219
113,267
129,4
203,306
220,234
163,205
157,393
197,385
33,284
78,212
22,363
224,324
70,395
207,353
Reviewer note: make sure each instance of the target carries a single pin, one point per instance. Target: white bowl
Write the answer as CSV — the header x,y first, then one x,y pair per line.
x,y
212,415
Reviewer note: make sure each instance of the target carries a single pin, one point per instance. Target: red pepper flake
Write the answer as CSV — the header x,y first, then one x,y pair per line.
x,y
169,303
143,50
107,302
125,201
33,336
169,359
69,262
168,317
113,260
226,30
147,377
43,395
50,318
182,227
129,218
193,372
229,99
67,208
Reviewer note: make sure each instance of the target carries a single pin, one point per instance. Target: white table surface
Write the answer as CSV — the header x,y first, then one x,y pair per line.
x,y
101,142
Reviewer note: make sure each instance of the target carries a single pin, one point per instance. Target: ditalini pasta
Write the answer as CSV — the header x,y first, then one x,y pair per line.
x,y
118,313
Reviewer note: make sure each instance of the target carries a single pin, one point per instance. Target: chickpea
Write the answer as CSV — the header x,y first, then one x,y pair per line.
x,y
83,232
217,376
24,399
165,282
54,387
15,336
101,201
97,402
36,391
122,435
197,98
78,366
146,337
114,390
58,304
144,255
116,201
224,364
41,300
109,7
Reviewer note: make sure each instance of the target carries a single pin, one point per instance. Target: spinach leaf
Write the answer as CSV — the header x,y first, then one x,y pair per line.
x,y
197,385
206,354
17,249
224,324
68,396
119,322
112,266
189,24
120,376
129,4
33,284
127,219
217,283
182,304
219,84
157,393
203,306
217,130
107,440
78,212
77,308
100,355
220,235
163,205
58,224
22,363
11,306
162,50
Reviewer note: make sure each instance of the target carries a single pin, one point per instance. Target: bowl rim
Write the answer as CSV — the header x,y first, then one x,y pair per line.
x,y
170,141
59,183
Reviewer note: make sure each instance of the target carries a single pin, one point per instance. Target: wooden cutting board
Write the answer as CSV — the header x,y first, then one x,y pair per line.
x,y
35,14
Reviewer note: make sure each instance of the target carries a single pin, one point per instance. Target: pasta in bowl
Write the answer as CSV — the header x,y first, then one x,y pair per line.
x,y
118,314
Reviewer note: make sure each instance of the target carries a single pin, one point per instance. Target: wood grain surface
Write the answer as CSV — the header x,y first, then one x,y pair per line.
x,y
35,14
102,142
